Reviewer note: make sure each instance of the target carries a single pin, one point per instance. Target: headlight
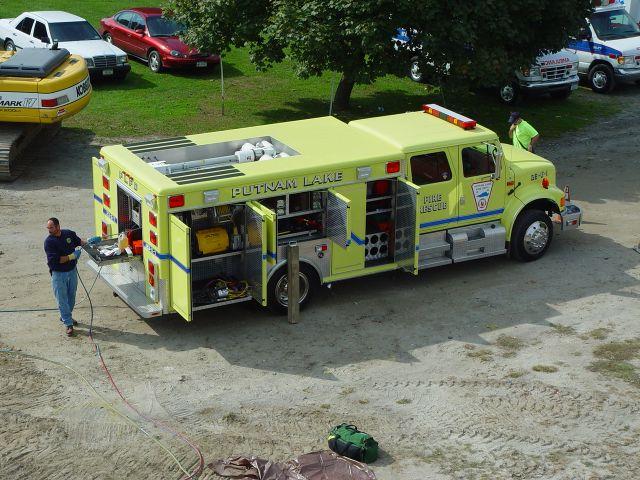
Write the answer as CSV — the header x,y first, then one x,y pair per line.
x,y
121,59
628,61
574,66
89,62
535,71
176,53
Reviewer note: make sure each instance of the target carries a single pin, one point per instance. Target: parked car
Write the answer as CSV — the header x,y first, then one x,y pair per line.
x,y
145,34
43,29
555,74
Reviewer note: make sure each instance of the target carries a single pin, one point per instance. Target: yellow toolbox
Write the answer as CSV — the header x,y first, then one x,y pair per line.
x,y
212,240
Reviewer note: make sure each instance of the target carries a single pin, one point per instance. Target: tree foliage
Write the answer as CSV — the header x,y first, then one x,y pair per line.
x,y
479,42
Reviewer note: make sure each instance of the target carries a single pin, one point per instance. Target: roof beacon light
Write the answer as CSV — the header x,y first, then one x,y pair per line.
x,y
451,117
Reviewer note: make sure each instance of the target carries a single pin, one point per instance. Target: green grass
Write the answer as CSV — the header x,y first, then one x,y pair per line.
x,y
178,103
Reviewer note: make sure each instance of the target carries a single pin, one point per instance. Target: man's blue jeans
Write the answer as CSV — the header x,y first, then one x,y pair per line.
x,y
64,286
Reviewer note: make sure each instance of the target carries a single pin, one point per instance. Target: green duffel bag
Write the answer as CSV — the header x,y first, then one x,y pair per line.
x,y
348,441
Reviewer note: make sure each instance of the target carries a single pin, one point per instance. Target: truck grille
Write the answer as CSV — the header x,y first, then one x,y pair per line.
x,y
102,61
555,72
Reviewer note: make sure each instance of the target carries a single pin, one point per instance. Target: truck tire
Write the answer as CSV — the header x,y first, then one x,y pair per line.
x,y
561,94
9,46
601,79
509,93
414,70
531,236
277,288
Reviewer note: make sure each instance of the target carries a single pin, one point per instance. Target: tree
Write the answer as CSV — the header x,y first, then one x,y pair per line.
x,y
468,41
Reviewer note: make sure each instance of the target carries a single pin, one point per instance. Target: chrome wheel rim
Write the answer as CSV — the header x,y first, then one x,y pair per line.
x,y
599,79
154,62
282,296
507,93
416,74
11,47
536,237
108,39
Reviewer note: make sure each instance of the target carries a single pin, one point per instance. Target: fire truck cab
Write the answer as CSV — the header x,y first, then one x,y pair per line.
x,y
210,216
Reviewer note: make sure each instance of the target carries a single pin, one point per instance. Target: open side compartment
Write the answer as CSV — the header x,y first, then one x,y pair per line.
x,y
218,256
406,239
380,222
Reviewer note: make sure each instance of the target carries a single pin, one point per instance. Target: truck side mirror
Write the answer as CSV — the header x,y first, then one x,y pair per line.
x,y
496,156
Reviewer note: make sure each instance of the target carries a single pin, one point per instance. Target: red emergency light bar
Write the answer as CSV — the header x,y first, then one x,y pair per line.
x,y
450,116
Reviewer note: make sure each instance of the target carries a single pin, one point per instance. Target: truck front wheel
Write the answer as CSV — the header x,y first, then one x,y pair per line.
x,y
509,93
531,236
277,296
601,79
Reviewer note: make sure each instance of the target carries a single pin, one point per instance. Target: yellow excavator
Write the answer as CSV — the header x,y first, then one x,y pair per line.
x,y
39,88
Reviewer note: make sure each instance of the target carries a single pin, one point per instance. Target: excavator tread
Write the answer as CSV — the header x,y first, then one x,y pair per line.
x,y
14,139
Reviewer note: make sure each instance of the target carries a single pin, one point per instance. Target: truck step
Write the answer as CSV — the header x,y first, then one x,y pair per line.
x,y
434,250
477,241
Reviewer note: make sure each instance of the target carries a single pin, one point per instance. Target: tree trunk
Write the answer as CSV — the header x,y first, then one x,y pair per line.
x,y
343,93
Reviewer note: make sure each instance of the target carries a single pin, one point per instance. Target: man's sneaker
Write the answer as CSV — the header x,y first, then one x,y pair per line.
x,y
70,331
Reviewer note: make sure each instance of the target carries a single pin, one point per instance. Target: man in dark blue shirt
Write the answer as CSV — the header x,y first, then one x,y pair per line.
x,y
62,249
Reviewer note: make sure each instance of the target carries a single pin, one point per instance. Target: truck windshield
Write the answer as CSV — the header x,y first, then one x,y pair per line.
x,y
163,27
73,31
614,24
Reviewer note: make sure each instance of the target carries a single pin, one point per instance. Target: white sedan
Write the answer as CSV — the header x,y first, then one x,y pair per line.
x,y
43,29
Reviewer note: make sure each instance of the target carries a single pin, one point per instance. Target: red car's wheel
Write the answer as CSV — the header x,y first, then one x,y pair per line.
x,y
107,37
155,61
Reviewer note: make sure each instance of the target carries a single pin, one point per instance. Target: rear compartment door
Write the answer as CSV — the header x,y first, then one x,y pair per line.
x,y
271,219
338,218
256,251
407,231
180,267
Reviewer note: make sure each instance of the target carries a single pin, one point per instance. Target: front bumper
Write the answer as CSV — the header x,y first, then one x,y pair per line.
x,y
628,74
119,71
570,218
181,62
544,87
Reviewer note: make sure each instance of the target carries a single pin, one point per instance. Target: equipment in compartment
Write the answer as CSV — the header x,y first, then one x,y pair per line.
x,y
220,290
376,246
378,240
212,240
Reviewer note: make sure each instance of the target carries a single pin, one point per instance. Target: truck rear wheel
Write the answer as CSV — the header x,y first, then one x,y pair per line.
x,y
277,299
531,236
601,79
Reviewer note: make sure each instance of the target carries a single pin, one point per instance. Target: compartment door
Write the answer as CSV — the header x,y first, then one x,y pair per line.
x,y
271,219
180,267
256,251
407,231
338,218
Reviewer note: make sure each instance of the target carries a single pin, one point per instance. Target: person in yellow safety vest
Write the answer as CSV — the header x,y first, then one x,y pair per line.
x,y
523,134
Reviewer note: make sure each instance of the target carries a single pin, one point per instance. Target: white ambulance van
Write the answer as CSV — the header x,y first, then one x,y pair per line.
x,y
608,47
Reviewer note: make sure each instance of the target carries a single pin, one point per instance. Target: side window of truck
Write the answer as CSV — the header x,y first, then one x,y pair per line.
x,y
25,25
430,168
477,161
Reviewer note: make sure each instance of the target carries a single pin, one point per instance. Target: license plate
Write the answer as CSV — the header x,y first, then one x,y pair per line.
x,y
201,64
107,71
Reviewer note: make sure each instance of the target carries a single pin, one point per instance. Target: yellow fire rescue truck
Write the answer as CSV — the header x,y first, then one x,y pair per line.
x,y
208,217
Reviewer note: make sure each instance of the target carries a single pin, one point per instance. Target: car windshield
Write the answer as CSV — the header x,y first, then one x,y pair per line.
x,y
163,27
73,31
614,24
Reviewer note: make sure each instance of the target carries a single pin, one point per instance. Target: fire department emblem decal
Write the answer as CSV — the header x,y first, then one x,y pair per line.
x,y
482,194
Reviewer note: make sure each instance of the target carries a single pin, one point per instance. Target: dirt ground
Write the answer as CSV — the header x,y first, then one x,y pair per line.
x,y
486,370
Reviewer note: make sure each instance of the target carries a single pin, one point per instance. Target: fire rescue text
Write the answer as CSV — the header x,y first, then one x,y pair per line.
x,y
433,203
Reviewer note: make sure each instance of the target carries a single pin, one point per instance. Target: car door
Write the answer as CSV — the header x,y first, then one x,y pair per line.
x,y
482,183
22,36
120,31
40,35
136,40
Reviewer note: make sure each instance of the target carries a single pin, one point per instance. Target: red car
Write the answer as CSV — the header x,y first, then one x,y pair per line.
x,y
144,33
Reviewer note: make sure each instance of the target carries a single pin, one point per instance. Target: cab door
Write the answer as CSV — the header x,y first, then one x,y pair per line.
x,y
255,254
482,183
180,267
435,174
